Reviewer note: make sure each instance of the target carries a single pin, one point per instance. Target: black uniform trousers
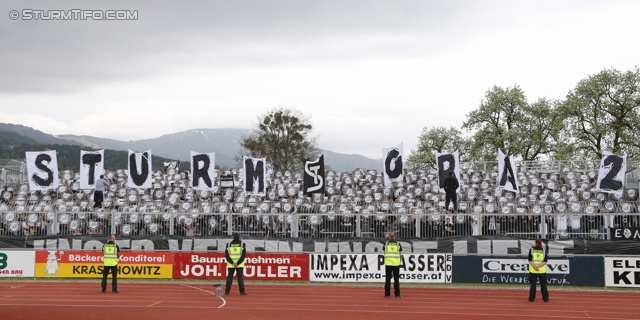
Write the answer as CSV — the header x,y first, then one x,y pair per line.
x,y
231,272
114,278
392,271
451,197
533,277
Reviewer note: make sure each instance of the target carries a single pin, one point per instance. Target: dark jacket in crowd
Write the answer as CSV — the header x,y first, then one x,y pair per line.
x,y
451,184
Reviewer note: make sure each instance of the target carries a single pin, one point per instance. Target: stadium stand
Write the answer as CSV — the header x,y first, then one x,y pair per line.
x,y
555,203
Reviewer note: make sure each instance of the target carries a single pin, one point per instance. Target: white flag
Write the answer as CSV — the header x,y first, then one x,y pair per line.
x,y
203,170
139,174
42,169
612,173
507,173
392,164
255,174
91,167
447,162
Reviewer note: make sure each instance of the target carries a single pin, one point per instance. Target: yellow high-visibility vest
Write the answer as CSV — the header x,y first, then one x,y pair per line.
x,y
537,258
235,253
392,254
110,252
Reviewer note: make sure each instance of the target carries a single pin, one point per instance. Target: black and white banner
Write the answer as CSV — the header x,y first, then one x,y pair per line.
x,y
447,162
91,167
139,170
622,271
612,172
255,174
314,176
203,170
465,246
392,164
624,234
172,165
507,173
42,169
227,181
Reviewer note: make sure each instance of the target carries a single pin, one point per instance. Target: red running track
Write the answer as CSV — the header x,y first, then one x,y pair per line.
x,y
83,300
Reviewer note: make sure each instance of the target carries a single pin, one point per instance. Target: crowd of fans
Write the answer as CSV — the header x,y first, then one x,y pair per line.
x,y
558,204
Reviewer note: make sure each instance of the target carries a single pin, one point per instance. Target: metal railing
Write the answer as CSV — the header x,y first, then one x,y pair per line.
x,y
317,225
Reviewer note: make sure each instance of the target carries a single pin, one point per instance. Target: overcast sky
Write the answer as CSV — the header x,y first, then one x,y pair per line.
x,y
368,74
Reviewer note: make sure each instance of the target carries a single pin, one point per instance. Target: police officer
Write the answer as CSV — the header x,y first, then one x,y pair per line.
x,y
111,253
235,255
538,271
392,254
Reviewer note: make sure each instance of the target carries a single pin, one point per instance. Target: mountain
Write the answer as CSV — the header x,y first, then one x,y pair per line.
x,y
224,142
341,162
35,135
10,139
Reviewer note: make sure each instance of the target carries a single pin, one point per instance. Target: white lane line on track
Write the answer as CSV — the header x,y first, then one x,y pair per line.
x,y
224,302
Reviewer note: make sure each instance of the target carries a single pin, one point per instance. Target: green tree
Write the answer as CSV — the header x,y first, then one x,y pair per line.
x,y
540,130
440,140
496,122
283,137
506,121
602,113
